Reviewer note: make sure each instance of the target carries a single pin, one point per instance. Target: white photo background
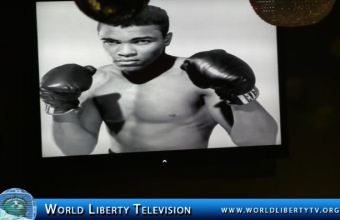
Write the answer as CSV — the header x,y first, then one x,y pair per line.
x,y
66,35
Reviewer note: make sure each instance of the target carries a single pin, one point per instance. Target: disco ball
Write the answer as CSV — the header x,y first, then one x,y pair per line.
x,y
108,11
292,13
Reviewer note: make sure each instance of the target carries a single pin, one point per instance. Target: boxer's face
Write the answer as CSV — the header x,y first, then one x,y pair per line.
x,y
133,48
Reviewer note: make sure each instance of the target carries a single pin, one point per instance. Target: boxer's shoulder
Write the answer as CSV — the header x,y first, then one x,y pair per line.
x,y
106,71
181,74
179,62
105,80
104,75
177,79
176,68
184,78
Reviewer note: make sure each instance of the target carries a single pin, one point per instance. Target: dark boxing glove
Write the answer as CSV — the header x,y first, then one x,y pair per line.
x,y
61,87
232,79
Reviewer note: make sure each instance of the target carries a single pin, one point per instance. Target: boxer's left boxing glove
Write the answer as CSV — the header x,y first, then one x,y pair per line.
x,y
61,87
232,79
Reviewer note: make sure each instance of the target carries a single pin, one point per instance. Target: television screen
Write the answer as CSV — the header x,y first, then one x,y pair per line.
x,y
141,99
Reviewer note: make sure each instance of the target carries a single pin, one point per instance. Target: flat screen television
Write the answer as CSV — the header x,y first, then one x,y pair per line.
x,y
65,35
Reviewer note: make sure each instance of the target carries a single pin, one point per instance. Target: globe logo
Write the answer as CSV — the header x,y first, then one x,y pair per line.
x,y
18,204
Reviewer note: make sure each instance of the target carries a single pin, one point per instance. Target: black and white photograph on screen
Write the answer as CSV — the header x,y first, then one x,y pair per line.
x,y
180,75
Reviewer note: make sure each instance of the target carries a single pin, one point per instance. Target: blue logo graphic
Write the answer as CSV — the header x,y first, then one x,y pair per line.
x,y
17,204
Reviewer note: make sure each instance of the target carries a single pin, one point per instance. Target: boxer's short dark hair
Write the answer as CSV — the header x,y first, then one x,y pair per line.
x,y
151,15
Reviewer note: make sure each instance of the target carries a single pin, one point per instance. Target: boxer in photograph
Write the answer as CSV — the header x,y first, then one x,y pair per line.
x,y
150,100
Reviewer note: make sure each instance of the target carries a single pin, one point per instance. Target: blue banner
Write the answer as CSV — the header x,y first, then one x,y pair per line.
x,y
188,209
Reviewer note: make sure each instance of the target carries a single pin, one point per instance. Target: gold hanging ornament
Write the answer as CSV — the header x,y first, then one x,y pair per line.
x,y
292,13
108,11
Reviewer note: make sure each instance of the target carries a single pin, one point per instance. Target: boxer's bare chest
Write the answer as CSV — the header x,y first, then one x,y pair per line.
x,y
169,98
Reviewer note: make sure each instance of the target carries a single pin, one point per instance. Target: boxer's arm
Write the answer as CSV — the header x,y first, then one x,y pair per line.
x,y
247,125
76,133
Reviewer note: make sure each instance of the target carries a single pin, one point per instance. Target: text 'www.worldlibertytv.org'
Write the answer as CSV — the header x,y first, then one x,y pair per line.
x,y
283,210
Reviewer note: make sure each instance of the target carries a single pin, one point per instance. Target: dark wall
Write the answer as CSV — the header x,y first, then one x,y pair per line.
x,y
312,69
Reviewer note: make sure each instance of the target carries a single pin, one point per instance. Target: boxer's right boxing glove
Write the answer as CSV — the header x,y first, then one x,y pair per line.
x,y
61,87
